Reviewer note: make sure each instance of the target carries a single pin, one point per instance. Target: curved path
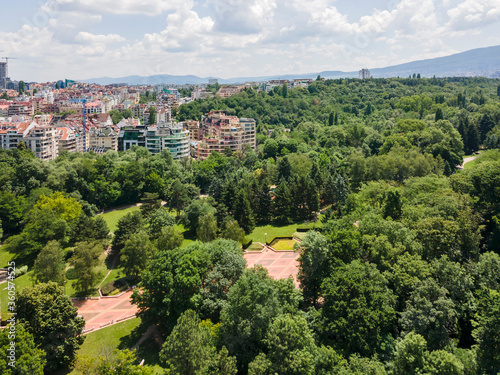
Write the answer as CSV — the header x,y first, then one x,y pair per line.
x,y
467,160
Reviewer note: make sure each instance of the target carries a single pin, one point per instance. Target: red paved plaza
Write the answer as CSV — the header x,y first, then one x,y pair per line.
x,y
105,310
280,264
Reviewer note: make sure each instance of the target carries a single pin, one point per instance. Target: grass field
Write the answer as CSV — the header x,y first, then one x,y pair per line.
x,y
112,217
121,336
255,247
20,282
283,244
258,234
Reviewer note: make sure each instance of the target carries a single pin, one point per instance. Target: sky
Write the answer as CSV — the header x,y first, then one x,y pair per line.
x,y
81,39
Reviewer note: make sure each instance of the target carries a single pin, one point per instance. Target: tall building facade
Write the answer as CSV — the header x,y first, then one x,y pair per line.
x,y
364,74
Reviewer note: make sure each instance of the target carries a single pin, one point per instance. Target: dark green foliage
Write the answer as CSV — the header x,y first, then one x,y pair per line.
x,y
28,359
86,260
195,277
487,331
158,220
282,204
358,312
315,266
194,212
252,304
49,265
150,203
393,205
189,349
136,254
127,226
49,315
430,313
243,213
290,349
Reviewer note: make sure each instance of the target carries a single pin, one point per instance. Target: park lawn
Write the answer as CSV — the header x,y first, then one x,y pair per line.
x,y
112,217
121,336
284,244
258,234
21,282
5,257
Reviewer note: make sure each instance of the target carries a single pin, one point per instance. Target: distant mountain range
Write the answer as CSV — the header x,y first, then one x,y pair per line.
x,y
484,62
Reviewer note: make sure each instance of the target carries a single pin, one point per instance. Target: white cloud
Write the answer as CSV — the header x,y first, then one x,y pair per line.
x,y
146,7
474,13
86,37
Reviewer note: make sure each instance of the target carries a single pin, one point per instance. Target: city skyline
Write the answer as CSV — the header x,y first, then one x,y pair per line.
x,y
78,39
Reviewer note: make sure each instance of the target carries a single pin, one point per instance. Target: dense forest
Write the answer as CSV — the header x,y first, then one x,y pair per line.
x,y
401,277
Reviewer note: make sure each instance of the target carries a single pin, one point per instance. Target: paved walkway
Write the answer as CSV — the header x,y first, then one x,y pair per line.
x,y
280,264
105,310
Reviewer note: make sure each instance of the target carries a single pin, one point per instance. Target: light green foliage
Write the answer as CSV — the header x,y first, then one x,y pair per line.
x,y
232,231
117,362
207,228
169,238
409,357
51,318
28,359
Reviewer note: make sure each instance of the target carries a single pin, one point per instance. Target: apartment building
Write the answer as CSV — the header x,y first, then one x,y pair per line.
x,y
43,141
227,91
103,139
221,132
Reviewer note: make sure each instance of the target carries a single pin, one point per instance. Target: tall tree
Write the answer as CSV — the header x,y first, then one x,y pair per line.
x,y
136,254
291,349
358,311
86,260
314,265
27,359
207,228
152,115
243,213
49,264
282,204
127,225
189,349
430,313
49,315
169,238
252,304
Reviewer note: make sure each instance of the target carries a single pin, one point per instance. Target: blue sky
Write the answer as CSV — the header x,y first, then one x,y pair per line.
x,y
79,39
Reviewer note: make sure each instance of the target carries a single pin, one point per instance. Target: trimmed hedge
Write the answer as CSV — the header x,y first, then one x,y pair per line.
x,y
247,245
